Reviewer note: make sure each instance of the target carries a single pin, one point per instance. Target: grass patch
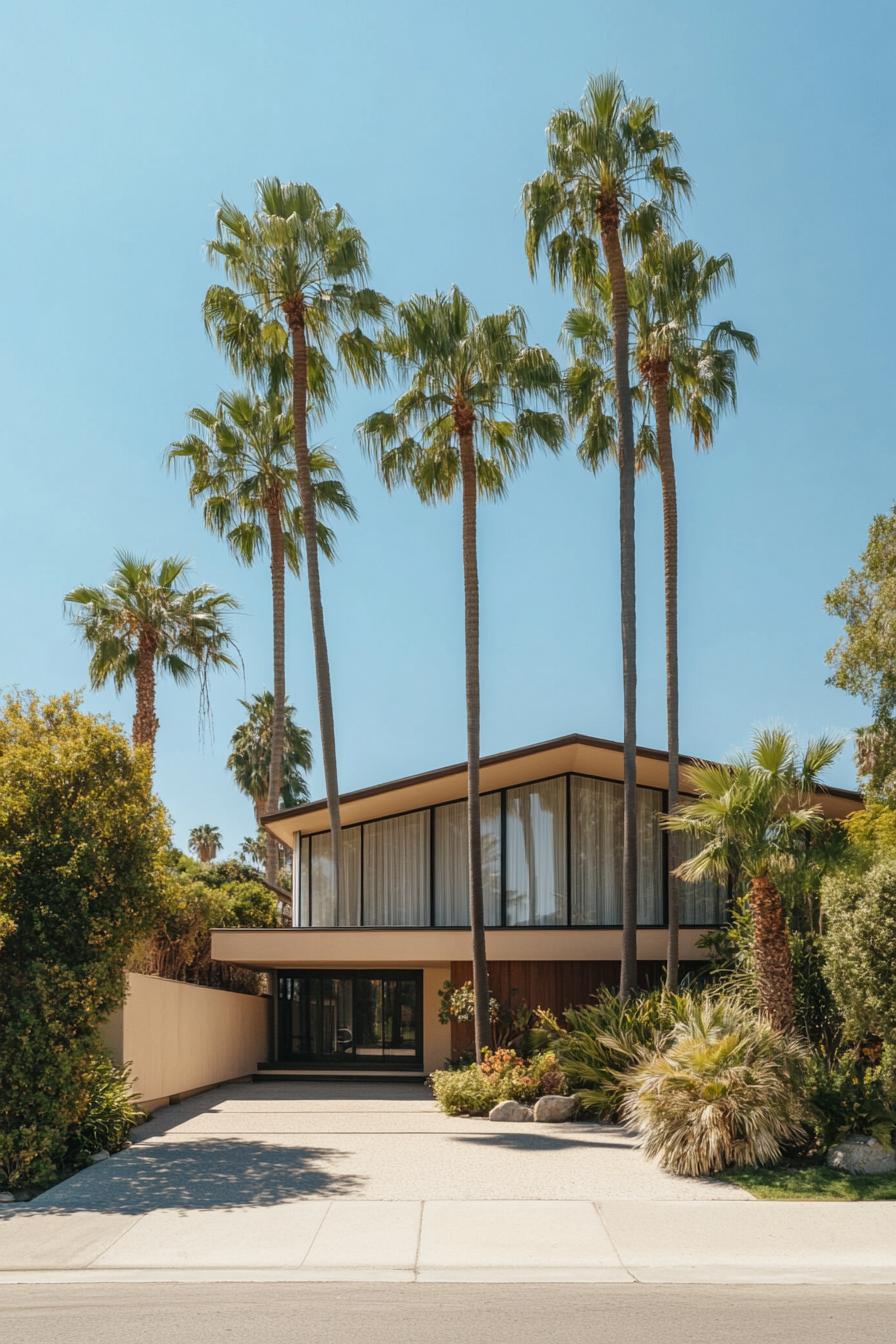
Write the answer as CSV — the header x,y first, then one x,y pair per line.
x,y
811,1180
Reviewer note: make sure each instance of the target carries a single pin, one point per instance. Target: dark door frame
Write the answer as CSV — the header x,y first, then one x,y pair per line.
x,y
382,1062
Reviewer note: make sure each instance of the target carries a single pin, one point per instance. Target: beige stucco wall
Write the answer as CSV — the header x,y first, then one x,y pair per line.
x,y
436,1035
179,1038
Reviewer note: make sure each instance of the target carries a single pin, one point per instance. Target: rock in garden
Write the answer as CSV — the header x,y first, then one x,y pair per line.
x,y
862,1155
100,1156
510,1110
553,1110
7,1197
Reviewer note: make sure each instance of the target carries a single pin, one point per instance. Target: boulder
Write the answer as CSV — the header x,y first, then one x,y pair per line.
x,y
510,1110
7,1197
862,1155
100,1156
553,1110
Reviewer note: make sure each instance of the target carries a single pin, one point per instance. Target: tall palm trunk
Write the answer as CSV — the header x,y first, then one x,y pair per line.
x,y
469,488
659,383
145,725
609,232
294,312
774,969
275,775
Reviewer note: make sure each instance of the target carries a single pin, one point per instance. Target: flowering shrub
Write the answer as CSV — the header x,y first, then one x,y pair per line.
x,y
502,1076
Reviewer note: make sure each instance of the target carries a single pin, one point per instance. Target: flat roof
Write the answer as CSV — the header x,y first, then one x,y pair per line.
x,y
557,755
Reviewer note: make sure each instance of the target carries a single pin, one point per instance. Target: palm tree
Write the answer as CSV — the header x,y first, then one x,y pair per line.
x,y
250,755
145,619
205,842
688,377
242,466
604,158
300,272
752,817
476,405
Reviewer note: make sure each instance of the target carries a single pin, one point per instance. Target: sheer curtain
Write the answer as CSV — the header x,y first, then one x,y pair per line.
x,y
324,914
703,903
450,861
396,871
535,864
596,851
650,857
300,908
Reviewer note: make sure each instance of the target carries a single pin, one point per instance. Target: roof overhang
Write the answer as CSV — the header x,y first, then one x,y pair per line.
x,y
575,753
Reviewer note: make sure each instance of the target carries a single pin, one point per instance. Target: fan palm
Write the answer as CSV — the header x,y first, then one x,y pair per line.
x,y
205,842
145,619
478,400
299,271
604,158
752,818
242,467
250,755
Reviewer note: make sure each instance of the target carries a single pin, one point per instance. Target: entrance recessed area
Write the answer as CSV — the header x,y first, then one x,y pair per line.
x,y
350,1019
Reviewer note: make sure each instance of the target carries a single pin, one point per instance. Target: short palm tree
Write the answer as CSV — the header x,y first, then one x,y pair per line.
x,y
146,619
205,842
604,159
752,818
478,400
250,755
300,271
242,467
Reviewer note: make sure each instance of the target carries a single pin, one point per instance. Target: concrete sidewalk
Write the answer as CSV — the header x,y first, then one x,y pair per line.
x,y
460,1241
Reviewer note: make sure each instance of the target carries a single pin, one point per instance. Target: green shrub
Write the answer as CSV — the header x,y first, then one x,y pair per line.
x,y
722,1090
604,1039
860,935
502,1076
848,1095
109,1114
82,844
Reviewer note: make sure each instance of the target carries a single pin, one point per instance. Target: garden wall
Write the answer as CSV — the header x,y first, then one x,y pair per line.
x,y
181,1038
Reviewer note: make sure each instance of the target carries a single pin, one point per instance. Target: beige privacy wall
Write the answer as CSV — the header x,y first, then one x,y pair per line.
x,y
178,1038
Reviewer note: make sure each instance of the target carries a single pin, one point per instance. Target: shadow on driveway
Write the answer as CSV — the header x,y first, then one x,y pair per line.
x,y
208,1174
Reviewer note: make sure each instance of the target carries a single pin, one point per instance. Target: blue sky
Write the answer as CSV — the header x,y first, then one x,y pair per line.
x,y
122,127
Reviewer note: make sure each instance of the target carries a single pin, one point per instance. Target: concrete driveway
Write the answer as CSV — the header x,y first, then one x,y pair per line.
x,y
370,1181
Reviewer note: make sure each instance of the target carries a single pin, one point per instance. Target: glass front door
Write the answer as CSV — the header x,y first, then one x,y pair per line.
x,y
352,1019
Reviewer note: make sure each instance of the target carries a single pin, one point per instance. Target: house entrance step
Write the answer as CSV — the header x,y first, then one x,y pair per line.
x,y
286,1073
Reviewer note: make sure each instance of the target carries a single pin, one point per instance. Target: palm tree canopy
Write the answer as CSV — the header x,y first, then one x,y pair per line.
x,y
750,815
144,601
462,367
250,752
608,160
205,839
294,254
242,467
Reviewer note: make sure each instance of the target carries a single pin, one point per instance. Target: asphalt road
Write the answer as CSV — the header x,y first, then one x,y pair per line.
x,y
336,1313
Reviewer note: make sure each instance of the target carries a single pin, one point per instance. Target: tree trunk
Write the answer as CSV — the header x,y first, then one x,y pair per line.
x,y
628,970
660,393
774,969
145,725
275,776
295,316
469,487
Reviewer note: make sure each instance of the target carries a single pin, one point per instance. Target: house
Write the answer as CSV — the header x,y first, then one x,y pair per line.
x,y
356,982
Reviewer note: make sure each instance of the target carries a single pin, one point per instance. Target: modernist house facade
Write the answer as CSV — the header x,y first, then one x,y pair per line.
x,y
356,981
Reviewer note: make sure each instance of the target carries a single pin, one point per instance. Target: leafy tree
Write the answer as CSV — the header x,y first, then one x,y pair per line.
x,y
610,169
250,751
859,940
864,658
242,467
205,842
300,274
478,400
82,845
145,619
752,818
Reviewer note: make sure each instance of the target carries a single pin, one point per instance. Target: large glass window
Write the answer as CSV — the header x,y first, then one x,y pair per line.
x,y
450,863
396,871
651,878
350,1018
596,851
701,903
535,865
324,914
